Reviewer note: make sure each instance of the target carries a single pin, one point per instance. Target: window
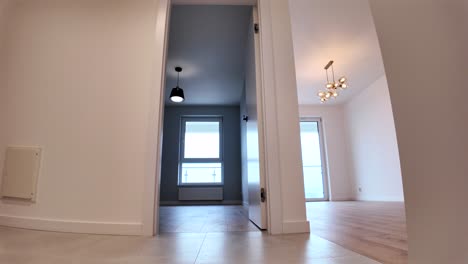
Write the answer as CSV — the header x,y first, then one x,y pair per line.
x,y
315,183
201,151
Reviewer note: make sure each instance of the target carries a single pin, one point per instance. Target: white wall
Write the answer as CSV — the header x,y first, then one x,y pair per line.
x,y
3,7
335,147
78,84
374,158
424,47
3,10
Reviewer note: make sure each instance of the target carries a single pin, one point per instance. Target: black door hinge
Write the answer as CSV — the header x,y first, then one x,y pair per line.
x,y
262,195
256,27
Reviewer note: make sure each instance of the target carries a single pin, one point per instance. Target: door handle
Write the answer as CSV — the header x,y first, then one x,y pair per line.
x,y
262,195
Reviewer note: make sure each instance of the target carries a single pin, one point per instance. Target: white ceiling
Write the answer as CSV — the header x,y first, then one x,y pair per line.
x,y
208,42
339,30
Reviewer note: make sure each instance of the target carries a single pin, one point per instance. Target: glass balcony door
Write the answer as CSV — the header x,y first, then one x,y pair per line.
x,y
314,166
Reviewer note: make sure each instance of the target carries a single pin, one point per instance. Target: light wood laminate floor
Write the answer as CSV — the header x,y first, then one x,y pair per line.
x,y
204,219
373,229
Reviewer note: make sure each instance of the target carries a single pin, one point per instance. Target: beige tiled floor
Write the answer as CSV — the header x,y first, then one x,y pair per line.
x,y
20,246
204,219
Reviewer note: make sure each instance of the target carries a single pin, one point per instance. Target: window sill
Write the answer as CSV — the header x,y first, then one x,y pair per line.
x,y
200,185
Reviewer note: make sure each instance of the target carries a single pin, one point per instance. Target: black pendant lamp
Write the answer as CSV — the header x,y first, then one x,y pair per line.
x,y
177,94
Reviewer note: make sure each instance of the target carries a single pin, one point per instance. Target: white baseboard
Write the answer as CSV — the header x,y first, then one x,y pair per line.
x,y
371,198
341,199
293,227
103,228
337,198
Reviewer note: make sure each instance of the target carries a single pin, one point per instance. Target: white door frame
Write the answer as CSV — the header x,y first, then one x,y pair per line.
x,y
150,197
150,207
326,191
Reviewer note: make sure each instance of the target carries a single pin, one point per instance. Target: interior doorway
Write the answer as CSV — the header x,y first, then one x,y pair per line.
x,y
203,187
313,160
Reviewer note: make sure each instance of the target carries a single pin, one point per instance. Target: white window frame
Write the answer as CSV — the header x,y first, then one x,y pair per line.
x,y
326,191
182,159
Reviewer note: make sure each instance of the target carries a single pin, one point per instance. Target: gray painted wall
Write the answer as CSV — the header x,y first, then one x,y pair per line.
x,y
232,149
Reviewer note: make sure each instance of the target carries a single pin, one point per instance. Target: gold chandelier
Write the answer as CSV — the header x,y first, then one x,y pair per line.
x,y
332,86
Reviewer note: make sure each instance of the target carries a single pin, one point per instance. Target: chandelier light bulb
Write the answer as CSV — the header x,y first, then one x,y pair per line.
x,y
332,86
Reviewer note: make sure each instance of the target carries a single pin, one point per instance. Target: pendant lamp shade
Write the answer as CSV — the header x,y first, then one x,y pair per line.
x,y
177,94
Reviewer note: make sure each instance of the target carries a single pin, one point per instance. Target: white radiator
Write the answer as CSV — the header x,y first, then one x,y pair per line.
x,y
200,193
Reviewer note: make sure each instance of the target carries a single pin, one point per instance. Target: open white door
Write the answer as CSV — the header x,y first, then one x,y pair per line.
x,y
255,143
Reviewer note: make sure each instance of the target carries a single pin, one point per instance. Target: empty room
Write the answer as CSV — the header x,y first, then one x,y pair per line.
x,y
204,183
352,176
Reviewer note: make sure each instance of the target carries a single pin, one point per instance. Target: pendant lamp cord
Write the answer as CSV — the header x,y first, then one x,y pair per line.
x,y
178,79
333,74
